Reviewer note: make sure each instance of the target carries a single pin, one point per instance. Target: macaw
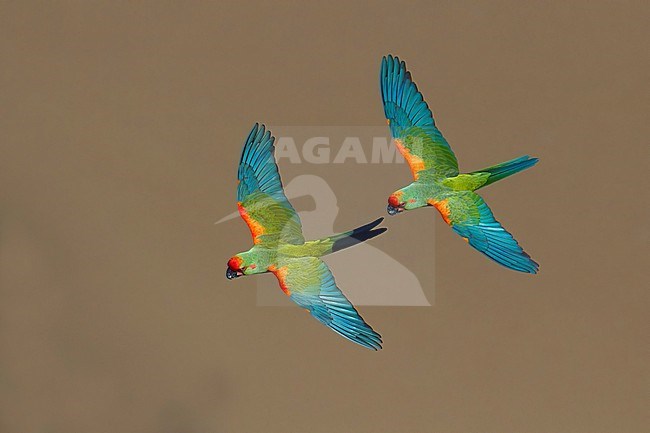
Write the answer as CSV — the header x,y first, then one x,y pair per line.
x,y
279,246
437,181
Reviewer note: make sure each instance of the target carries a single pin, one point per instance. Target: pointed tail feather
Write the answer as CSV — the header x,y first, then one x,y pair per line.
x,y
508,168
353,237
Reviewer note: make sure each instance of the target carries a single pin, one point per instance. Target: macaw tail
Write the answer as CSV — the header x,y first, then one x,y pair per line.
x,y
508,168
353,237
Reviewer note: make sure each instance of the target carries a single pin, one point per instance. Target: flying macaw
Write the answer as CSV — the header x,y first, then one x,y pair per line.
x,y
435,170
279,246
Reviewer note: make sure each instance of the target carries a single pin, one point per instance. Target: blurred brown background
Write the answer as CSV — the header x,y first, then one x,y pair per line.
x,y
121,125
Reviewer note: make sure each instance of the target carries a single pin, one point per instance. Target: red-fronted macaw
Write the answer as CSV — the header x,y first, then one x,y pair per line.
x,y
434,167
279,246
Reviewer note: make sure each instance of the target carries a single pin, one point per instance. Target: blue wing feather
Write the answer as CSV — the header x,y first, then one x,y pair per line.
x,y
488,236
257,167
410,117
313,287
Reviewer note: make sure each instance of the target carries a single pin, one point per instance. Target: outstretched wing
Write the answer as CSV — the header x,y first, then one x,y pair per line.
x,y
411,122
310,284
260,197
470,217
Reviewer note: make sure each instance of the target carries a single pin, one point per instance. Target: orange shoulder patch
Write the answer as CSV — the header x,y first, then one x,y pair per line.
x,y
281,274
443,208
415,162
255,227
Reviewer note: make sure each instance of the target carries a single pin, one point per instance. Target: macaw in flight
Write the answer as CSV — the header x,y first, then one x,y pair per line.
x,y
434,167
279,246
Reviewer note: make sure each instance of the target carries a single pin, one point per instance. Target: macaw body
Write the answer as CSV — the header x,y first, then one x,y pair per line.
x,y
279,246
437,180
266,256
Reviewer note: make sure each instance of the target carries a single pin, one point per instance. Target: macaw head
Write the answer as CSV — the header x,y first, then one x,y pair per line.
x,y
242,264
396,203
403,199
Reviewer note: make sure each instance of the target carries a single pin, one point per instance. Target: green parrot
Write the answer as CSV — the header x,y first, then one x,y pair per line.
x,y
438,182
279,246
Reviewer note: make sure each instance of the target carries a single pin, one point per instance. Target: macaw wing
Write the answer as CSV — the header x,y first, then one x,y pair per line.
x,y
260,197
310,284
411,122
470,217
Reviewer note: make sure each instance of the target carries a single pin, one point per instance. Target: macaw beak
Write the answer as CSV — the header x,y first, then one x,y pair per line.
x,y
394,210
231,275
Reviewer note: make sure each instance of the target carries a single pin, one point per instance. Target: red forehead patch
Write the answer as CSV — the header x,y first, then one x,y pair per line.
x,y
393,200
235,263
